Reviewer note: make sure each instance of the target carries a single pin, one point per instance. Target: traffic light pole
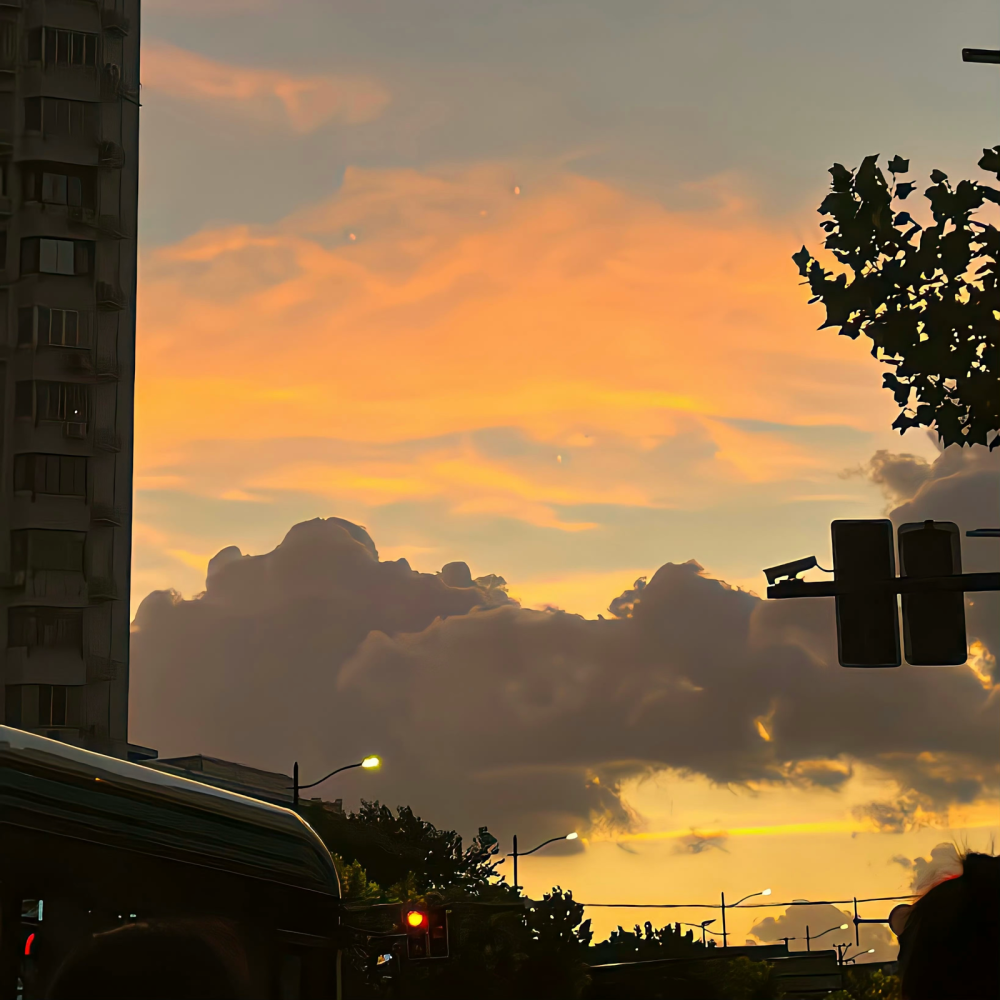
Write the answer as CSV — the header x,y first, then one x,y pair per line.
x,y
964,582
930,583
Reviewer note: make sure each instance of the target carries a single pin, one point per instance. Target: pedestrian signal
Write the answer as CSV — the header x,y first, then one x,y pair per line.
x,y
426,932
933,622
868,620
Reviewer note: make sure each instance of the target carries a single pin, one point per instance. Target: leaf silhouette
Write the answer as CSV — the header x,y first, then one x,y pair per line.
x,y
926,298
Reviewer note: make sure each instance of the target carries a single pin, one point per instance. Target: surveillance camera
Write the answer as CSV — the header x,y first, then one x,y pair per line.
x,y
790,569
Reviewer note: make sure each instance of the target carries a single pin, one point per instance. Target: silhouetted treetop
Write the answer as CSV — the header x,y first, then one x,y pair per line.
x,y
927,298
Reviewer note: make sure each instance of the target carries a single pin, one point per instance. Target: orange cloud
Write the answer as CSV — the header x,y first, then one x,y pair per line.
x,y
267,96
603,328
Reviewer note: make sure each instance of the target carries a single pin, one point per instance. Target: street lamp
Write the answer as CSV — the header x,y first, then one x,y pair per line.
x,y
515,854
369,764
850,958
816,937
704,924
725,936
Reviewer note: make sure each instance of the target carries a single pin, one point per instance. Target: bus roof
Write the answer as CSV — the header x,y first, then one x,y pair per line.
x,y
62,789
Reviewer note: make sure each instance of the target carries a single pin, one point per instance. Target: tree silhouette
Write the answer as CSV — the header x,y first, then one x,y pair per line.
x,y
927,298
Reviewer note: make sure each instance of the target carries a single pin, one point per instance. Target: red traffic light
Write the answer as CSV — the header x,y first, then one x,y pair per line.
x,y
28,943
416,919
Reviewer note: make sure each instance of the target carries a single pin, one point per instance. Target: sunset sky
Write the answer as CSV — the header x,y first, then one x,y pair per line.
x,y
510,283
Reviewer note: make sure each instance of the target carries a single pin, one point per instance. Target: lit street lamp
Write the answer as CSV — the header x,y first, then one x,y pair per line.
x,y
850,958
816,937
725,936
369,764
515,854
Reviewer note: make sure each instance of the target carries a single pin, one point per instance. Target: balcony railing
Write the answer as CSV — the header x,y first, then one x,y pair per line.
x,y
108,514
115,22
102,588
106,439
111,225
110,297
102,668
110,155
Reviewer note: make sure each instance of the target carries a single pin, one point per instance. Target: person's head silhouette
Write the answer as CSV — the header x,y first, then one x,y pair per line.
x,y
950,943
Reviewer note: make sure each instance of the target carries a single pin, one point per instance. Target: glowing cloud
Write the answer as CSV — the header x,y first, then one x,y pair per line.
x,y
268,96
575,345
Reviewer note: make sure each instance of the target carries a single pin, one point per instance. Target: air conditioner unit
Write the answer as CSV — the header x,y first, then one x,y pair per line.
x,y
75,429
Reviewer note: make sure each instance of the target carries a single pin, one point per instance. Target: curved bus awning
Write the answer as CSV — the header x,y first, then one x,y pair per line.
x,y
63,791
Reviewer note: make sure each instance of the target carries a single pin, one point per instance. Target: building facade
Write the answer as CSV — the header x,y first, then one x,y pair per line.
x,y
69,144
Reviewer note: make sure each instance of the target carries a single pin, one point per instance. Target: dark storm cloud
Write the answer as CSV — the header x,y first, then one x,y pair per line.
x,y
695,843
531,721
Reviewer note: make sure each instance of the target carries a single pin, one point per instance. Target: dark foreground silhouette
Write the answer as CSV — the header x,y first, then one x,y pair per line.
x,y
950,946
152,961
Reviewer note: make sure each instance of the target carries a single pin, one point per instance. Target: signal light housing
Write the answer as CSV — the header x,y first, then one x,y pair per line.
x,y
426,932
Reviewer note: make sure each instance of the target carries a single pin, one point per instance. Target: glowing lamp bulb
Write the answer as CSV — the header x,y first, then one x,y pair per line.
x,y
766,892
370,762
843,927
870,951
415,918
572,836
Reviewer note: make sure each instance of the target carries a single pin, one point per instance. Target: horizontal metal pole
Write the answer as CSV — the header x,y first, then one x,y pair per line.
x,y
966,582
981,55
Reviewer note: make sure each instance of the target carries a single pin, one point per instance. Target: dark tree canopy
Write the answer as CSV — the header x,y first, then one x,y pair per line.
x,y
928,298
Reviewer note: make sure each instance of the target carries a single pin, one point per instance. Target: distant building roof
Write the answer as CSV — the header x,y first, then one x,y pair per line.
x,y
269,786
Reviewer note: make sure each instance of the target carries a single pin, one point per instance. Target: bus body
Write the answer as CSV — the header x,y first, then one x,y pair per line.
x,y
96,852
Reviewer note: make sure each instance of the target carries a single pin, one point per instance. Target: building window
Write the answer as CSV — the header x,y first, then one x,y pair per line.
x,y
37,550
62,401
58,116
54,475
58,47
14,705
45,627
42,326
58,184
40,255
8,44
38,706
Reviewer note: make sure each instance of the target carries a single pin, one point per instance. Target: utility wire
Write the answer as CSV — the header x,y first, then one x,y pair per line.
x,y
748,906
523,901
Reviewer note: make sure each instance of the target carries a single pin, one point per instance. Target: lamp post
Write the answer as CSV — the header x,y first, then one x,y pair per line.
x,y
850,958
815,937
725,936
515,854
703,925
369,764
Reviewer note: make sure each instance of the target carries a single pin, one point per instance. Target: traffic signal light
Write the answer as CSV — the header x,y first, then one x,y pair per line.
x,y
426,930
867,621
933,623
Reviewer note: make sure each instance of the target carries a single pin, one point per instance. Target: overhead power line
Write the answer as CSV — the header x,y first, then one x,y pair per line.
x,y
748,906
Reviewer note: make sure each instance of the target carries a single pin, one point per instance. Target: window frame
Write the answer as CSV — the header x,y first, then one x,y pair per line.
x,y
34,248
34,473
46,43
42,627
72,401
26,542
60,116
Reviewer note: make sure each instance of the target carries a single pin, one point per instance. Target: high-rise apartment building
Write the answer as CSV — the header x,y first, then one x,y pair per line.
x,y
69,145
